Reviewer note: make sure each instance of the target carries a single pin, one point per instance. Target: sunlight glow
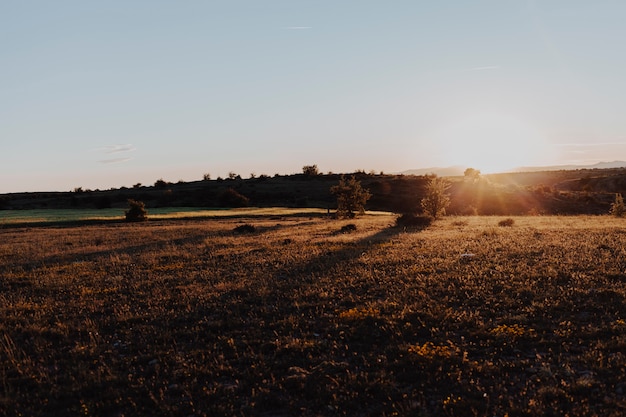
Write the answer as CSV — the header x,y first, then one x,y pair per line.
x,y
491,142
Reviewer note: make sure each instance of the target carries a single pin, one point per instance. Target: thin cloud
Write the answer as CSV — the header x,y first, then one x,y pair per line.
x,y
114,160
116,148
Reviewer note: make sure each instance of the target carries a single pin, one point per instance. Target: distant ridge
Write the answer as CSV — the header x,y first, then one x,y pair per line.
x,y
457,170
452,171
599,165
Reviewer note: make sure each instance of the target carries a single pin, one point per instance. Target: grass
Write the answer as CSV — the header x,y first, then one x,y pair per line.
x,y
191,318
51,216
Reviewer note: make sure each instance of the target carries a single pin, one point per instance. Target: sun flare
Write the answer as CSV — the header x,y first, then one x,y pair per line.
x,y
491,142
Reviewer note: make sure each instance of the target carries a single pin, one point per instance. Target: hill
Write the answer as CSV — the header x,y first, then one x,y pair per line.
x,y
580,191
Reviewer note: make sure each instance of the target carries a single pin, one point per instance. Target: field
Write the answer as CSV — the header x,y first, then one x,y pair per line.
x,y
55,216
200,317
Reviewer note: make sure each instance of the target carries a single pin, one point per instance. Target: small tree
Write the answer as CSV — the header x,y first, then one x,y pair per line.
x,y
472,174
206,177
310,170
351,197
160,183
618,208
437,198
136,211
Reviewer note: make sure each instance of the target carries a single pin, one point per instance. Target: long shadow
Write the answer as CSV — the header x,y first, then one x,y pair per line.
x,y
196,238
352,249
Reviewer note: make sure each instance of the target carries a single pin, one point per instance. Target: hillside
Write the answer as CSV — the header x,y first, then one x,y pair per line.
x,y
583,191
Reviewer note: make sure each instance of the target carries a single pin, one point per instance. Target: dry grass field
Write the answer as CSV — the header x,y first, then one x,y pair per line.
x,y
473,316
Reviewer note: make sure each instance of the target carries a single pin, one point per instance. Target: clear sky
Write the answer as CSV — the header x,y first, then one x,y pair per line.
x,y
101,94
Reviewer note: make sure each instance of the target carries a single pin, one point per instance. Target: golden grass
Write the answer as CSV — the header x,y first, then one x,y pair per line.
x,y
174,317
11,217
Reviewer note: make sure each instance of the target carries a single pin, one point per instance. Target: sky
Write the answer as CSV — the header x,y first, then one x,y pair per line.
x,y
105,94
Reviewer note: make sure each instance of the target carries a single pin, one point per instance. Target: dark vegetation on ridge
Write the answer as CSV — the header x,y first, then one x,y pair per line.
x,y
585,191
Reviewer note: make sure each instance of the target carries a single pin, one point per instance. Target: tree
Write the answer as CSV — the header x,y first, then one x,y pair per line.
x,y
351,197
618,208
206,177
472,174
437,198
136,211
310,170
160,183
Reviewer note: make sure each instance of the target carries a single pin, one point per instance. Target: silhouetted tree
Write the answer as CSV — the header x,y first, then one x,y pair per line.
x,y
351,197
160,183
310,170
437,199
136,211
206,177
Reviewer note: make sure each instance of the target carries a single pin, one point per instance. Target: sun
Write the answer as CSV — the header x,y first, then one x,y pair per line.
x,y
490,142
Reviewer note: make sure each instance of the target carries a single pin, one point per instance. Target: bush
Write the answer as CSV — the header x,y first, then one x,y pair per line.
x,y
506,222
136,211
160,183
245,228
437,198
310,170
618,208
351,197
231,198
348,228
411,220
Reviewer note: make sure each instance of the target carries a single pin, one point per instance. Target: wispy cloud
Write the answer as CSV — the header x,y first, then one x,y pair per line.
x,y
120,149
114,160
298,27
116,148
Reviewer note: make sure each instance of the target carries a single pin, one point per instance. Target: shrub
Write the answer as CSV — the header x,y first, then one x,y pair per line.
x,y
245,228
348,228
351,197
310,170
136,211
506,222
618,209
412,220
160,183
437,198
231,198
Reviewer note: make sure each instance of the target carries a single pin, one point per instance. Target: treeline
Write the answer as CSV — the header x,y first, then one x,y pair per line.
x,y
471,194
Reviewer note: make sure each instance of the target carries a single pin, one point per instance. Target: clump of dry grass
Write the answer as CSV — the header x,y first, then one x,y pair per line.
x,y
187,318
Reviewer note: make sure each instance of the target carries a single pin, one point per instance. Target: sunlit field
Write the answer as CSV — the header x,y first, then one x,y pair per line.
x,y
12,217
473,316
